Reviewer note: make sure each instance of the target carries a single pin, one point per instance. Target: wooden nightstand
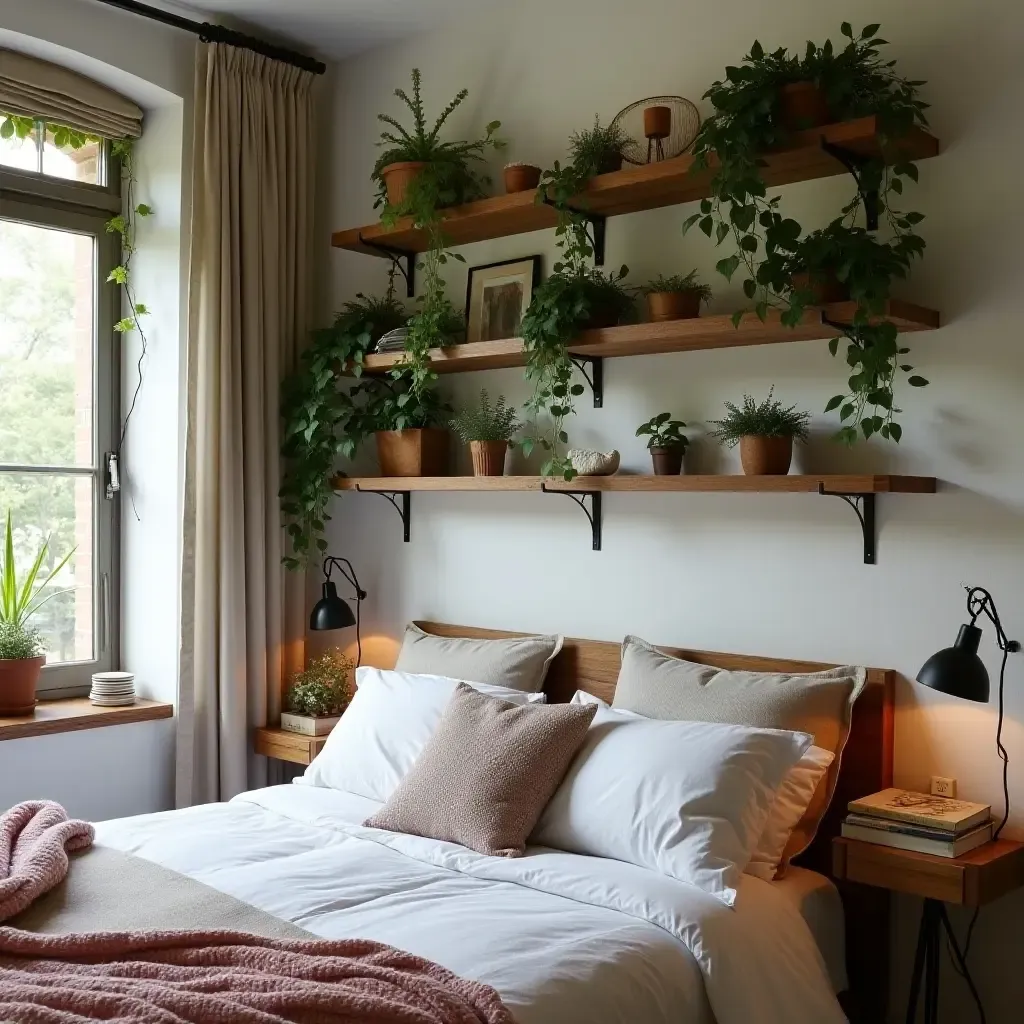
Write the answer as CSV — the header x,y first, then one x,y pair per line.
x,y
287,746
977,878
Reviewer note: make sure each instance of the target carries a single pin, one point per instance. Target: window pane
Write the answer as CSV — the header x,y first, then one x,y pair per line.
x,y
64,161
47,291
20,153
59,508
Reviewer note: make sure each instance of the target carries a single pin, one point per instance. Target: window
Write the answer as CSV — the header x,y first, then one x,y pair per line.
x,y
58,379
52,150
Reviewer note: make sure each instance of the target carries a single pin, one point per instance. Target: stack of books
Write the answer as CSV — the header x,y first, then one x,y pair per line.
x,y
919,822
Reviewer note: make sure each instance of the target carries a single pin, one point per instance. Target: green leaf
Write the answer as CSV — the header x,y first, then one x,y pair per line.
x,y
869,31
846,29
833,345
706,225
7,129
125,325
846,412
144,210
917,382
834,403
141,309
895,432
119,275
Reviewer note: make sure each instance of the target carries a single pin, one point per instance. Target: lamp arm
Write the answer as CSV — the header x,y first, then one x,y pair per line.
x,y
331,562
979,601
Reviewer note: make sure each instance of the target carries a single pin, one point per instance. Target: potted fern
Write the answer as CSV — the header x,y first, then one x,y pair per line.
x,y
677,297
598,150
488,430
22,651
765,432
666,442
318,695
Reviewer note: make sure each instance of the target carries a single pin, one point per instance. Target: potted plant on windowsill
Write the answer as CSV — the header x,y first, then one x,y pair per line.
x,y
488,430
677,297
765,432
667,443
319,695
22,651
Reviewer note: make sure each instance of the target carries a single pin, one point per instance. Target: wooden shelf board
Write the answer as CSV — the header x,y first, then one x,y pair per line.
x,y
77,713
808,483
699,333
636,188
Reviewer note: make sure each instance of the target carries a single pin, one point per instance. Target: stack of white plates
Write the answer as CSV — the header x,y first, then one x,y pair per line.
x,y
113,689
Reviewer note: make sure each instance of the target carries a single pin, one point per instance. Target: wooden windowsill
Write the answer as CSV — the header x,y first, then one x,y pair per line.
x,y
76,713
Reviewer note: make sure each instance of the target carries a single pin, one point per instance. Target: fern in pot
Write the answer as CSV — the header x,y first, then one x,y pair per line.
x,y
488,430
765,432
677,297
319,695
22,650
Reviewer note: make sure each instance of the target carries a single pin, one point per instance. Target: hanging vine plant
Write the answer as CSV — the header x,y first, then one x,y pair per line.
x,y
575,296
757,108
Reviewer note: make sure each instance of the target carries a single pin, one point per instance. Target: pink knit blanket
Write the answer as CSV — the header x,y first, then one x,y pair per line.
x,y
229,978
35,838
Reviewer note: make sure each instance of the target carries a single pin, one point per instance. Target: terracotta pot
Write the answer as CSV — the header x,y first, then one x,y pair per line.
x,y
488,457
18,680
673,305
611,163
421,452
766,456
398,178
802,105
657,122
667,461
521,177
824,288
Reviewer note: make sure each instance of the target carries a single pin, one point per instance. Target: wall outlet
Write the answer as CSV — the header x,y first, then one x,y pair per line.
x,y
943,787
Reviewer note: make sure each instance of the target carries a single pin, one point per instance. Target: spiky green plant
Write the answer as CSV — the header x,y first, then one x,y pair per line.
x,y
21,599
769,418
486,422
677,283
598,149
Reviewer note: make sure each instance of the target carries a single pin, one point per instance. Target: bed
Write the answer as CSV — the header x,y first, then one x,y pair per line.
x,y
563,938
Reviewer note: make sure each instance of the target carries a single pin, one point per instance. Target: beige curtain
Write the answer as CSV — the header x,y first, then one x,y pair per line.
x,y
38,89
242,614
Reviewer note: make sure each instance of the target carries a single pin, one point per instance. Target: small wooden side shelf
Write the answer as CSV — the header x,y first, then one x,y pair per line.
x,y
77,713
698,334
287,746
857,491
647,187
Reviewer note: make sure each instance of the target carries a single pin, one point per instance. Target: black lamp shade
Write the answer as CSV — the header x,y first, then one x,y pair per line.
x,y
958,670
331,612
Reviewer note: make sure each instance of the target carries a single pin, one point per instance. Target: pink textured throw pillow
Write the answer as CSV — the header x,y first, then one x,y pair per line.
x,y
487,773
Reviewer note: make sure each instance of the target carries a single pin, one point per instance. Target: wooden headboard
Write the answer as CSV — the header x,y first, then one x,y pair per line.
x,y
593,665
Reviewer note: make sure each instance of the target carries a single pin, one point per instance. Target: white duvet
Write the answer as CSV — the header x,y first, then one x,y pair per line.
x,y
565,939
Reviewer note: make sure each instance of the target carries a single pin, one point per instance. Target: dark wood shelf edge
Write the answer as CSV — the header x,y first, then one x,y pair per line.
x,y
77,714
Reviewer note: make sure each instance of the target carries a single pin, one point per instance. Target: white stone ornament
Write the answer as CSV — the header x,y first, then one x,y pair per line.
x,y
588,463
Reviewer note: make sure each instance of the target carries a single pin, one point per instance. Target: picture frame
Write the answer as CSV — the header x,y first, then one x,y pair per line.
x,y
497,296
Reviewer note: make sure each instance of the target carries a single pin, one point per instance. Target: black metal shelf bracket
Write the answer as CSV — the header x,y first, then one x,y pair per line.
x,y
855,164
597,233
595,378
403,260
402,509
593,514
864,506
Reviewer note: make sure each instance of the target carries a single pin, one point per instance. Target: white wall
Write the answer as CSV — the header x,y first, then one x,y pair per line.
x,y
773,575
129,769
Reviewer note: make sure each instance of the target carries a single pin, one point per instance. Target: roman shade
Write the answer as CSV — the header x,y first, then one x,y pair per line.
x,y
36,88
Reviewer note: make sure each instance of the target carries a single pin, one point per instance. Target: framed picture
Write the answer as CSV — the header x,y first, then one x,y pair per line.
x,y
497,297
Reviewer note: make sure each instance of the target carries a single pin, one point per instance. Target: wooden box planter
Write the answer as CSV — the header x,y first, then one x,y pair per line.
x,y
419,452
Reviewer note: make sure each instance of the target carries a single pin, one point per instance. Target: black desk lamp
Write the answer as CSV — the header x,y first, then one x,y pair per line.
x,y
959,671
331,612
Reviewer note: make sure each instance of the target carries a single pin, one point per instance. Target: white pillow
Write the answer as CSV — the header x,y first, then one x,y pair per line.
x,y
686,799
384,729
791,802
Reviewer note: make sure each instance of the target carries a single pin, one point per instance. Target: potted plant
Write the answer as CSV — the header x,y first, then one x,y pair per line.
x,y
417,169
408,426
520,177
319,695
22,651
675,298
316,415
667,443
598,150
765,433
488,431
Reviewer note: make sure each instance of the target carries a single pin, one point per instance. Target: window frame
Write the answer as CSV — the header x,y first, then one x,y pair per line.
x,y
50,202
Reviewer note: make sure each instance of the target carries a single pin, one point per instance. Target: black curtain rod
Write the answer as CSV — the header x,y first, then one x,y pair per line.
x,y
210,33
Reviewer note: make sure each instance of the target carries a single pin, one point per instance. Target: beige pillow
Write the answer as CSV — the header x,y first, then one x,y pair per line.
x,y
656,685
520,663
487,773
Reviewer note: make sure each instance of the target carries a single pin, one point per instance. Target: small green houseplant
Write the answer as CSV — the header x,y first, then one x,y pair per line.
x,y
676,297
598,150
666,442
319,695
765,432
488,430
22,651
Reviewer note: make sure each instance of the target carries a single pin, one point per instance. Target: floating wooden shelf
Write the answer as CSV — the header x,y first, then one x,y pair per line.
x,y
705,332
647,187
857,491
